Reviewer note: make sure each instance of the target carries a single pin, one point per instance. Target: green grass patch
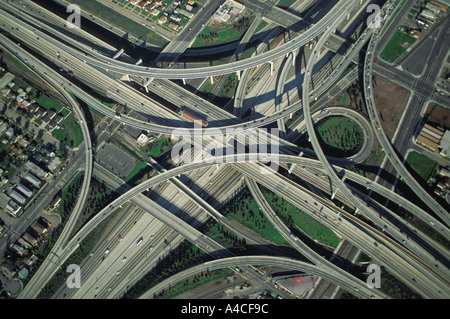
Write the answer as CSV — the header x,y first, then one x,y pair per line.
x,y
49,103
64,112
229,87
397,46
261,25
224,33
293,217
285,3
184,256
194,282
340,135
69,132
206,87
140,165
421,164
16,62
157,148
245,210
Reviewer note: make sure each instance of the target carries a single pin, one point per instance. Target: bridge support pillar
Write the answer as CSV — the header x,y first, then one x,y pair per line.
x,y
271,67
337,188
149,81
139,62
212,79
147,84
334,193
238,73
184,81
291,168
118,54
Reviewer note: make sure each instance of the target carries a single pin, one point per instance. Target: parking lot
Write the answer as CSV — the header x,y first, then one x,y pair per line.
x,y
116,160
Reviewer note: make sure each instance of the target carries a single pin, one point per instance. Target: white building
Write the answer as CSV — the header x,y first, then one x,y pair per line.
x,y
36,182
19,198
24,190
13,207
142,139
36,170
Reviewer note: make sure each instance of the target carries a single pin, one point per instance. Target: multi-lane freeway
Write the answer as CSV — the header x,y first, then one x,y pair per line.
x,y
410,255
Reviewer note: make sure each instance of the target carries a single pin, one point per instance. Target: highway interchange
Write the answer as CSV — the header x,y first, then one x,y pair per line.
x,y
423,265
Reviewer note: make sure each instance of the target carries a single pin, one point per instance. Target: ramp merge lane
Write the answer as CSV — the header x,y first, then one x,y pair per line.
x,y
411,261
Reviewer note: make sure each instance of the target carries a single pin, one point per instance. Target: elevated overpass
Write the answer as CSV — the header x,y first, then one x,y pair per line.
x,y
204,72
384,141
378,253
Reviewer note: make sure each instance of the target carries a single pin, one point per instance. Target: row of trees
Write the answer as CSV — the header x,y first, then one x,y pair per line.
x,y
242,24
184,256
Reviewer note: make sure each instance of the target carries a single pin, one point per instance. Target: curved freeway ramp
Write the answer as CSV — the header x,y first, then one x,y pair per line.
x,y
361,291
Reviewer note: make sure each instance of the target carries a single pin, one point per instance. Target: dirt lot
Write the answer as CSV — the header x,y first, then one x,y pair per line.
x,y
438,115
390,100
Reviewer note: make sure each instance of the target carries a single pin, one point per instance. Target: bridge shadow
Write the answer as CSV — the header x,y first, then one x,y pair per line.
x,y
239,245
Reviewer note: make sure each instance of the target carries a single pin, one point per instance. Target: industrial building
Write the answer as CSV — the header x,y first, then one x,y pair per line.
x,y
55,203
18,249
430,137
39,229
29,239
443,4
24,190
36,170
13,207
36,182
428,14
436,9
226,10
19,198
426,142
54,164
445,144
23,243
